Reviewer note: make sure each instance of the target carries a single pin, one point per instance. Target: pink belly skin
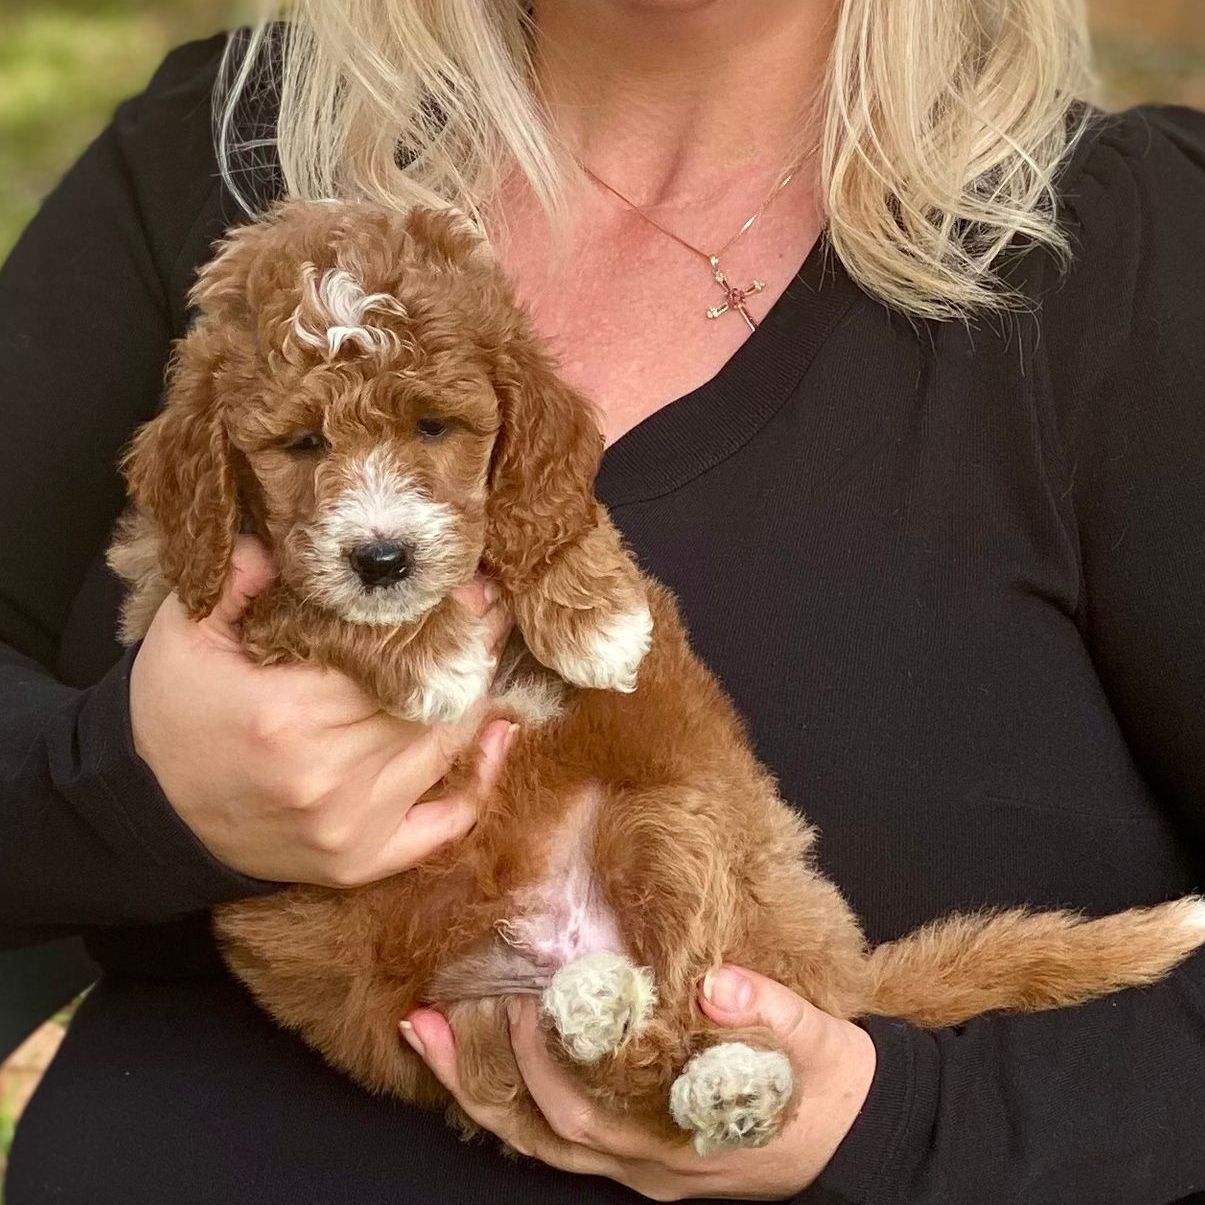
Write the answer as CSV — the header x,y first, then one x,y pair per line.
x,y
564,915
554,921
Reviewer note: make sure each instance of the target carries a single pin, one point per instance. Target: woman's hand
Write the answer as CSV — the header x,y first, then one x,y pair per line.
x,y
290,773
834,1063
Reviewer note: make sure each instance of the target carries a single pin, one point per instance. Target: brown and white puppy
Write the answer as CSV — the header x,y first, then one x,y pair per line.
x,y
362,392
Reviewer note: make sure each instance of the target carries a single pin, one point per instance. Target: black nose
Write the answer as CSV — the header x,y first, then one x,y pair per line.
x,y
381,563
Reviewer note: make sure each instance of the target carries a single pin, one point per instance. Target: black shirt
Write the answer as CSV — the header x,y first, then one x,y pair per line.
x,y
951,574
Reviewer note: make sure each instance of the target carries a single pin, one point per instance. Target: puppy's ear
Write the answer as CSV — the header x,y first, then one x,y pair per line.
x,y
180,475
577,596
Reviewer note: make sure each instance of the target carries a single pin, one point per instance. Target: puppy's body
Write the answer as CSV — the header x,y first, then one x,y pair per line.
x,y
633,842
637,824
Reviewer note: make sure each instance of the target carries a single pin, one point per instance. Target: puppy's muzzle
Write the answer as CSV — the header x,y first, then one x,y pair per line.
x,y
381,563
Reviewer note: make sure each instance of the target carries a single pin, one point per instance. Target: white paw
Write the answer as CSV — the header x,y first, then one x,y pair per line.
x,y
597,1002
447,690
732,1095
611,652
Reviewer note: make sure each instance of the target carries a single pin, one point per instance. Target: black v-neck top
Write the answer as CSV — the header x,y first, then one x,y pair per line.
x,y
951,575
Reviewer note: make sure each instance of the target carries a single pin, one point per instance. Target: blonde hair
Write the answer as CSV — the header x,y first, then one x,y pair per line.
x,y
939,130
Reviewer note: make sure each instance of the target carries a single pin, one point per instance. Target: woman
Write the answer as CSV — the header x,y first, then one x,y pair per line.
x,y
937,523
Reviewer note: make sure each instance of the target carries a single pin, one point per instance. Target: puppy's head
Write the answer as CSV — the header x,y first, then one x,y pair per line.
x,y
360,390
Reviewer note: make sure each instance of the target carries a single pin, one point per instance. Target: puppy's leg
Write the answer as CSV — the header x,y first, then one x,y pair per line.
x,y
732,1094
678,1076
1028,961
488,1070
596,1003
695,880
587,616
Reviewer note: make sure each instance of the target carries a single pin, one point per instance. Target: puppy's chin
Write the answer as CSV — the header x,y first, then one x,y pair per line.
x,y
383,608
391,606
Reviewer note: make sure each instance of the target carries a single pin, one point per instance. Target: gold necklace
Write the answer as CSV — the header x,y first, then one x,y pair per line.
x,y
734,297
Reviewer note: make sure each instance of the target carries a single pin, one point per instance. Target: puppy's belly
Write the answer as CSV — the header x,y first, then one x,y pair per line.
x,y
554,921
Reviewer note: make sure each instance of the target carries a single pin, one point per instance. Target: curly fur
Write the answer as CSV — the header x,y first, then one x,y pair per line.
x,y
633,833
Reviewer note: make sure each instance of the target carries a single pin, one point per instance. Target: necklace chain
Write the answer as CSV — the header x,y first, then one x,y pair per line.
x,y
734,297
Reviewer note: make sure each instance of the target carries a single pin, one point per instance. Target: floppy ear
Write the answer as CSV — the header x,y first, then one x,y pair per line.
x,y
576,593
180,475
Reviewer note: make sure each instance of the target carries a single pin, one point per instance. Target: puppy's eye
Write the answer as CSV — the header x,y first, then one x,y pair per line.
x,y
306,441
432,428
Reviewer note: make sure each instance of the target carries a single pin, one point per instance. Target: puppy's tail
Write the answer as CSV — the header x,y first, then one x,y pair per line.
x,y
1021,961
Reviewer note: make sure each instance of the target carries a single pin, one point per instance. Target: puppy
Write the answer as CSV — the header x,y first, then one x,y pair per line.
x,y
361,391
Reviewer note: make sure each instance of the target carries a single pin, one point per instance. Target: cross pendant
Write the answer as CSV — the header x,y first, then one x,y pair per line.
x,y
734,298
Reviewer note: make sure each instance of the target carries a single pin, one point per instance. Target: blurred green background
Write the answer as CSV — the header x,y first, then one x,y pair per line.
x,y
64,65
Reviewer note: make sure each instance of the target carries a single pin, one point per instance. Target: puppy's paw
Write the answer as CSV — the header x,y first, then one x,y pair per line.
x,y
731,1095
447,683
597,1002
597,649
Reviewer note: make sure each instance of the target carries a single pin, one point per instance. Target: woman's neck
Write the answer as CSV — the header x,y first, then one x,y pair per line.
x,y
680,101
693,106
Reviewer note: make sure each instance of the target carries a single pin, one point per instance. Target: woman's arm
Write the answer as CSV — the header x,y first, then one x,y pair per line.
x,y
86,836
1102,1103
162,788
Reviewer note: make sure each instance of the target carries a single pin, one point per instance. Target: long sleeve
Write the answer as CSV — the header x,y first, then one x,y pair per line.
x,y
86,836
1104,1103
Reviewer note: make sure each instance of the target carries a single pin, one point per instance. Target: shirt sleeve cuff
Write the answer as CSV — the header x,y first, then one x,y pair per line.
x,y
186,876
872,1163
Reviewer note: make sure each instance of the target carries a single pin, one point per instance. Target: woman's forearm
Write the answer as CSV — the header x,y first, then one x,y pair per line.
x,y
1096,1105
86,836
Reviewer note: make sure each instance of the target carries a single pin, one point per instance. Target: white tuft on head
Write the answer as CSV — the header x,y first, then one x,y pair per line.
x,y
1196,917
334,310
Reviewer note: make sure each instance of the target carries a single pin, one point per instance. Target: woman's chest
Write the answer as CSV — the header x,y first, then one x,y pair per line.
x,y
889,593
635,319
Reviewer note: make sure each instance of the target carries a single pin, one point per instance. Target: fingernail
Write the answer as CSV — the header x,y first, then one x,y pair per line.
x,y
491,592
497,738
727,989
408,1033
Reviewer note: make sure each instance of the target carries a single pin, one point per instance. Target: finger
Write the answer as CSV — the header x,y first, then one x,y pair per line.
x,y
430,1036
493,744
582,1138
251,570
478,596
434,823
574,1116
569,1111
424,830
424,762
483,598
498,623
735,997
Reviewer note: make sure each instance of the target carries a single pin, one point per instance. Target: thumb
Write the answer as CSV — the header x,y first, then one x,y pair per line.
x,y
433,823
251,571
735,997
